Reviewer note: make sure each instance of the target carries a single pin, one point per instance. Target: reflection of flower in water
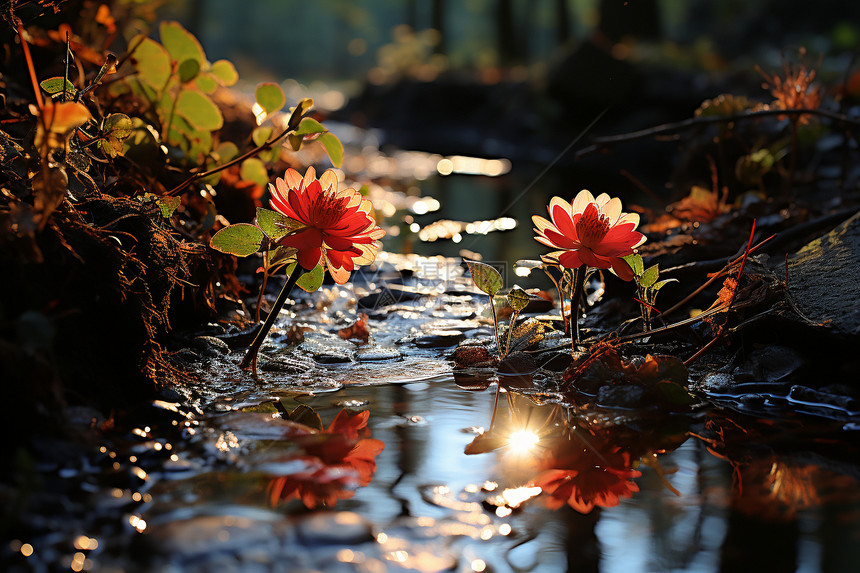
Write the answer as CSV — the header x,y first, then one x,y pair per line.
x,y
336,461
585,476
794,486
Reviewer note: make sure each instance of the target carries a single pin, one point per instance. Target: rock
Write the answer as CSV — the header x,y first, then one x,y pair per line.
x,y
387,295
717,383
376,354
439,339
472,355
343,528
769,364
517,363
209,345
327,349
621,396
204,536
554,361
807,395
824,278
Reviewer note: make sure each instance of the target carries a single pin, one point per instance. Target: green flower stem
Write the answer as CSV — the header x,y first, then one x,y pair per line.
x,y
250,360
495,324
575,298
510,332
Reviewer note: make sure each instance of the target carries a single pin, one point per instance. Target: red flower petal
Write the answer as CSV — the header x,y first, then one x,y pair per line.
x,y
561,219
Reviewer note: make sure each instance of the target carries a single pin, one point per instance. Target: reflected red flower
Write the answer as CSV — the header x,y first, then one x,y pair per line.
x,y
583,478
335,462
340,231
591,232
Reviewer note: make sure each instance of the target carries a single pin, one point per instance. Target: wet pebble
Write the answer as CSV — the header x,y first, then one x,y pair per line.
x,y
717,383
376,354
388,295
621,396
342,528
769,364
472,355
327,349
209,344
213,539
517,363
554,361
439,339
808,395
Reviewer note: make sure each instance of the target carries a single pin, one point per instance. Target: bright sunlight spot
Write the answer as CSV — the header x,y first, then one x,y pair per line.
x,y
522,441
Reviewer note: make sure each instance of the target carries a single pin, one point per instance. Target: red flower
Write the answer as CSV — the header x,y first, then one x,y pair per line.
x,y
335,462
583,478
340,232
591,232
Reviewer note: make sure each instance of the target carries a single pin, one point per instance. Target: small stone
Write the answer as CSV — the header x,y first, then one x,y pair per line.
x,y
376,354
621,396
210,342
517,363
472,355
439,339
343,528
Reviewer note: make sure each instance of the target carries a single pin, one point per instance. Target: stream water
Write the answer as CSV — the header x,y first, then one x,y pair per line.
x,y
375,457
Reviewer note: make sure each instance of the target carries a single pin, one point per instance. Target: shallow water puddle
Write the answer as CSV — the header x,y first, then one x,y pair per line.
x,y
671,499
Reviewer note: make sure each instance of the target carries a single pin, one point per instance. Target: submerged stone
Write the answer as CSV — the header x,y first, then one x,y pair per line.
x,y
376,354
439,339
340,528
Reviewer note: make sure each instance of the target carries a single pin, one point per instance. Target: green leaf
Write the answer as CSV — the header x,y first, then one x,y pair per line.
x,y
650,276
253,170
486,278
636,263
241,239
54,86
224,72
333,147
295,141
660,284
299,111
117,127
261,135
674,394
270,96
168,205
188,70
276,225
281,254
199,110
310,281
310,126
518,299
180,43
152,62
226,151
206,83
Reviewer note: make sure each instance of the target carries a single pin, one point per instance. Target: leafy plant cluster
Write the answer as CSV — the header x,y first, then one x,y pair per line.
x,y
113,166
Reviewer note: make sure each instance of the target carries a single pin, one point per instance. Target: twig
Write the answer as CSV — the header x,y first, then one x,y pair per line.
x,y
291,126
29,58
735,290
717,275
674,128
